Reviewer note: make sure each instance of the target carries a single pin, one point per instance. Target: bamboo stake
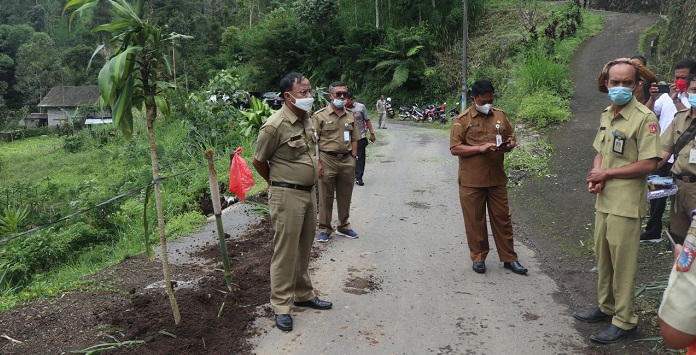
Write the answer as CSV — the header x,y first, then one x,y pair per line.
x,y
217,210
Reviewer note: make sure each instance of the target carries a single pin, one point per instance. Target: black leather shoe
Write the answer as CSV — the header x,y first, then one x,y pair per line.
x,y
283,322
515,267
611,335
593,316
359,182
479,267
315,303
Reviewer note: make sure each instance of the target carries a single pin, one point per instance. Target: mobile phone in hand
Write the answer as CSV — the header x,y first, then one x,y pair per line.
x,y
663,88
503,144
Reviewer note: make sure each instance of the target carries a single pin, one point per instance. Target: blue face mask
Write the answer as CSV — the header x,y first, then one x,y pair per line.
x,y
339,103
620,95
692,100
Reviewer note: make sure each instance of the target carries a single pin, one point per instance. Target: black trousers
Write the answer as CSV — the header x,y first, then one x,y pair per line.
x,y
360,164
657,207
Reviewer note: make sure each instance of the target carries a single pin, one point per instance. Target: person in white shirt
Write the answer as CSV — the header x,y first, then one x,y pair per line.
x,y
665,106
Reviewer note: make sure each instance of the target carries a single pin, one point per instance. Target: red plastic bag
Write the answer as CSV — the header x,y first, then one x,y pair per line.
x,y
241,179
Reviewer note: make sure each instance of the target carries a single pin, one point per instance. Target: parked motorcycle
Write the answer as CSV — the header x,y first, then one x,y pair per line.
x,y
440,113
453,112
430,113
390,109
417,113
404,113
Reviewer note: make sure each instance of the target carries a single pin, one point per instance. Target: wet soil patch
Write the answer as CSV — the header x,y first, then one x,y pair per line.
x,y
362,285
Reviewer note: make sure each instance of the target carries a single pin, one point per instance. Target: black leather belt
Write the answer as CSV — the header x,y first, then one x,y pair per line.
x,y
336,154
685,178
292,186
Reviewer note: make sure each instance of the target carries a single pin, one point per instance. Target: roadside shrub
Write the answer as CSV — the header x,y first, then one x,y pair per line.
x,y
47,249
539,72
543,108
73,143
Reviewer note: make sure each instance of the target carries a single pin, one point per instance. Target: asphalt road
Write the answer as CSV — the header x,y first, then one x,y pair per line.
x,y
428,299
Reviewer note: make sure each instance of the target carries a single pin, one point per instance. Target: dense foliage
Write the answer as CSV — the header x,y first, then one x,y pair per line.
x,y
415,56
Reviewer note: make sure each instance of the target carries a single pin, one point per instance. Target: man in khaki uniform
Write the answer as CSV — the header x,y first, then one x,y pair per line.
x,y
338,149
677,315
479,137
285,157
680,139
628,149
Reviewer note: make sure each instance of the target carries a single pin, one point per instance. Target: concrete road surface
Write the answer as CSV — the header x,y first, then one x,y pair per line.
x,y
406,285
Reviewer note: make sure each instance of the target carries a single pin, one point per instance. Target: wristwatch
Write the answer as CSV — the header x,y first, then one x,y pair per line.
x,y
676,101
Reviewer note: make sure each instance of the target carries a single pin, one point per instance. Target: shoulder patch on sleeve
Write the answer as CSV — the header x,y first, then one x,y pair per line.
x,y
652,126
271,130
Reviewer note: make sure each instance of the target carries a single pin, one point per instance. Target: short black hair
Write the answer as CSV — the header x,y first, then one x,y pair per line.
x,y
641,59
482,86
686,64
689,79
336,84
287,82
350,95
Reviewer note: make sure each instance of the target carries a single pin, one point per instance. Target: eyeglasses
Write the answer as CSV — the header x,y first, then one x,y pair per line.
x,y
306,92
341,94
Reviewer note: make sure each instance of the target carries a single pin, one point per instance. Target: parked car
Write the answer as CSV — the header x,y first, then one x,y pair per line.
x,y
274,100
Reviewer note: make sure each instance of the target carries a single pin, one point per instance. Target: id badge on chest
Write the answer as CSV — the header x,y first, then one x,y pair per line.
x,y
692,156
498,137
346,136
619,145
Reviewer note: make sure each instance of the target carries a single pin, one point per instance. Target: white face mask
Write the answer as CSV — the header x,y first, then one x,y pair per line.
x,y
485,109
304,104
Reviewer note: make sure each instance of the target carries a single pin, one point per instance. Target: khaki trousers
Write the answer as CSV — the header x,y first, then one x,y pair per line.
x,y
339,178
680,214
616,251
474,201
293,215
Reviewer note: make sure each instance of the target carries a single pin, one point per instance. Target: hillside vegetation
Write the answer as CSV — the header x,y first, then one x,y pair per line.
x,y
523,47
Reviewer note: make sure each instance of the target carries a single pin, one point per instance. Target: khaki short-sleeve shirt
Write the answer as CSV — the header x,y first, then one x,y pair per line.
x,y
335,132
474,128
678,307
682,121
288,143
631,136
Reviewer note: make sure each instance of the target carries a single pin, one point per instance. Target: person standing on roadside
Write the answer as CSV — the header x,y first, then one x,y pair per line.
x,y
647,78
677,313
285,157
679,141
665,106
480,137
362,121
338,148
381,111
628,149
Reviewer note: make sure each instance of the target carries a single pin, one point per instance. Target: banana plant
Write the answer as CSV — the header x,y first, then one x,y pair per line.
x,y
135,76
254,117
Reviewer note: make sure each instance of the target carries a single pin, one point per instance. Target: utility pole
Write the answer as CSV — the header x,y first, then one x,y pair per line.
x,y
465,38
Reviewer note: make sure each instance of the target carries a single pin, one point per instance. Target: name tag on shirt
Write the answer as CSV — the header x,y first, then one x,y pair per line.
x,y
346,136
692,156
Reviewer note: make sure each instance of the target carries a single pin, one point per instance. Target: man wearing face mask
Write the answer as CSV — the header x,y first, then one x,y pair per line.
x,y
285,157
338,149
665,107
480,136
628,149
362,121
679,140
